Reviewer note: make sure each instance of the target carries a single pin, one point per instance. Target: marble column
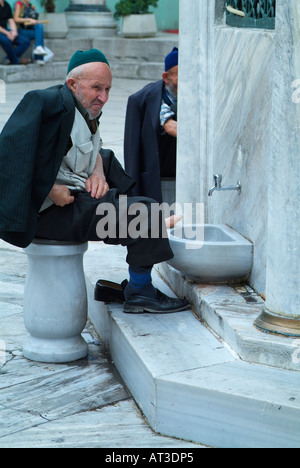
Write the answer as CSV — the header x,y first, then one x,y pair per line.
x,y
90,18
282,312
194,120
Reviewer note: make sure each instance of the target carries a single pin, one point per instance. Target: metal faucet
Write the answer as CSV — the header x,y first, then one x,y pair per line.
x,y
218,186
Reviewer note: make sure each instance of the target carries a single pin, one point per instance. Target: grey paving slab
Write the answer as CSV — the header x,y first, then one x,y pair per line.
x,y
116,426
84,404
80,388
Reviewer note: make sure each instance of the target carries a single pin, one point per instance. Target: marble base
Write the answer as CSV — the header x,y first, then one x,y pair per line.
x,y
55,302
55,351
270,323
91,24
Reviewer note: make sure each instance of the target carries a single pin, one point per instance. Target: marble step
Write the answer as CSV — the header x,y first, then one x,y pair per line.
x,y
32,72
129,58
116,48
230,311
57,71
188,383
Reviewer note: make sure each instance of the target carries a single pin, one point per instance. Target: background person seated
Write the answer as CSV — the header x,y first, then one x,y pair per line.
x,y
13,44
150,141
25,13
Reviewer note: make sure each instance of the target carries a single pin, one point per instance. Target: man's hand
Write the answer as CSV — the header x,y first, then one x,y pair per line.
x,y
31,21
11,35
13,30
97,186
61,196
171,127
172,221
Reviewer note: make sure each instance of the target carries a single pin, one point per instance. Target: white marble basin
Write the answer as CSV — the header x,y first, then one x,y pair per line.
x,y
211,253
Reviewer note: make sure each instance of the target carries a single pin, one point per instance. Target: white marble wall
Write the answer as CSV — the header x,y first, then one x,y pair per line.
x,y
242,101
225,100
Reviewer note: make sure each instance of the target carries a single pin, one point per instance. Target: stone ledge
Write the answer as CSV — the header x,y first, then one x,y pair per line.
x,y
129,58
58,70
230,313
187,382
33,72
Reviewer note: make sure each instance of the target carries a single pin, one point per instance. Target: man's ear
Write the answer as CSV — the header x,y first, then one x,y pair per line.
x,y
166,78
72,84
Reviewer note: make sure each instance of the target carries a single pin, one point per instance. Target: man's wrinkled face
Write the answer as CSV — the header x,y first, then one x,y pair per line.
x,y
171,79
92,87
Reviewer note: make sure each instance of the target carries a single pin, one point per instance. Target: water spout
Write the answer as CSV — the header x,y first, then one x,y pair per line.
x,y
218,186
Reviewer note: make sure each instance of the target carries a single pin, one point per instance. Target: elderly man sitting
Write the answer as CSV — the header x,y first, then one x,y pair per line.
x,y
150,142
57,184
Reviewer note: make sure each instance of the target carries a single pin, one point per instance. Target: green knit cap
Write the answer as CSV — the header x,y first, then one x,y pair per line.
x,y
89,56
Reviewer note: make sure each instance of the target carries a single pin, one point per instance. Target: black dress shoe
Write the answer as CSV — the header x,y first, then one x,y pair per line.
x,y
106,291
161,304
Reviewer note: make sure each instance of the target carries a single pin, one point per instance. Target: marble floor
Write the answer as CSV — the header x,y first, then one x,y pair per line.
x,y
78,405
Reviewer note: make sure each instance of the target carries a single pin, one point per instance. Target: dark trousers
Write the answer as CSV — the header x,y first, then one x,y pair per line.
x,y
79,222
35,33
13,54
167,156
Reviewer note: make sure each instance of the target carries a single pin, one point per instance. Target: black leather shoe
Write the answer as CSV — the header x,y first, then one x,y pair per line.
x,y
106,291
162,304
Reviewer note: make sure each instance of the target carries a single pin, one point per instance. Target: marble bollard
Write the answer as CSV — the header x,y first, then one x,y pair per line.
x,y
55,302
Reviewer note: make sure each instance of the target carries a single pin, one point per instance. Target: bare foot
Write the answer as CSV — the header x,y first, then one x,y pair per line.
x,y
172,221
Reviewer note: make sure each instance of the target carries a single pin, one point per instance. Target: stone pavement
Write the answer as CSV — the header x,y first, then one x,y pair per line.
x,y
78,405
83,404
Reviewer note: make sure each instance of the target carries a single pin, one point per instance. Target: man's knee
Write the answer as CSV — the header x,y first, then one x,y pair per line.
x,y
4,40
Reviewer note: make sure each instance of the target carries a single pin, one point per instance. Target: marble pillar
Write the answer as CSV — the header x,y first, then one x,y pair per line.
x,y
282,312
90,18
194,139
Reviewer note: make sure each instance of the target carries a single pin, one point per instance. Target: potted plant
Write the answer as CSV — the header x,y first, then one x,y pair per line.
x,y
136,19
57,28
49,5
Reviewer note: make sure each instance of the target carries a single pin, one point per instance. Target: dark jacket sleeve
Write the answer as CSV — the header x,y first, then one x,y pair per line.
x,y
32,146
18,149
132,142
141,141
115,175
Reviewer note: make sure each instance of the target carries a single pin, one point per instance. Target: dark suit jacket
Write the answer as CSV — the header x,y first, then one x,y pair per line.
x,y
32,146
141,142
